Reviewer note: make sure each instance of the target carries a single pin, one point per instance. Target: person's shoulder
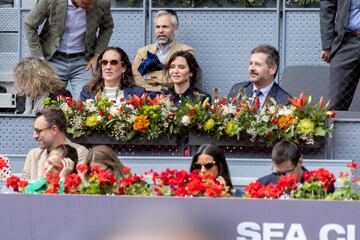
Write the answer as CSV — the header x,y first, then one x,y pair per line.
x,y
267,179
35,151
77,146
182,47
282,95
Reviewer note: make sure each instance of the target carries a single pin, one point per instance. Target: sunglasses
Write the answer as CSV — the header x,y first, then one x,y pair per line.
x,y
207,166
283,173
106,62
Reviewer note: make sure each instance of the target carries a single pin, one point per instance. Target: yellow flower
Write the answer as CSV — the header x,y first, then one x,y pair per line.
x,y
91,121
230,128
141,123
306,126
209,124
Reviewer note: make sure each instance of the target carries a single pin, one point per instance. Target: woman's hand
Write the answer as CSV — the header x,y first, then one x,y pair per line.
x,y
68,166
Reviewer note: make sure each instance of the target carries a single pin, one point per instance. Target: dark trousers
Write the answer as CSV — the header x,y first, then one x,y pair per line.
x,y
345,73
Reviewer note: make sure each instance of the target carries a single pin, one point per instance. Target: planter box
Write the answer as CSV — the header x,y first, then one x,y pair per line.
x,y
163,146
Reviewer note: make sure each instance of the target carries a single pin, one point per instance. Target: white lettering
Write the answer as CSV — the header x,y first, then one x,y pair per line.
x,y
248,230
324,231
269,230
296,232
350,232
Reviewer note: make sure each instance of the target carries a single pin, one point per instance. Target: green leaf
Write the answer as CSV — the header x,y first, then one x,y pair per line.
x,y
320,132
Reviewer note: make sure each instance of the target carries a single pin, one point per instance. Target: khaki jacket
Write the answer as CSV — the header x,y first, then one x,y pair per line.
x,y
53,12
155,80
35,160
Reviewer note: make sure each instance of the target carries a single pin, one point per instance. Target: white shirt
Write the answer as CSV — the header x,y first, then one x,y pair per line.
x,y
73,39
113,93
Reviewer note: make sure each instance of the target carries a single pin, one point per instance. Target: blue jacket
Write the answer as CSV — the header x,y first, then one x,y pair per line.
x,y
276,92
85,93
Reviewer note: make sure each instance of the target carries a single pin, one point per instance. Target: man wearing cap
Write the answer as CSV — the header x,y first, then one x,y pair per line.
x,y
149,60
69,38
263,67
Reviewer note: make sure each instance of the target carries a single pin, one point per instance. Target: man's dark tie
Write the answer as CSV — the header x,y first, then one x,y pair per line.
x,y
258,93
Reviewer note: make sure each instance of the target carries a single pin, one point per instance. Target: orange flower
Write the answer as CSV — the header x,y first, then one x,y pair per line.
x,y
298,102
137,101
286,121
156,101
141,123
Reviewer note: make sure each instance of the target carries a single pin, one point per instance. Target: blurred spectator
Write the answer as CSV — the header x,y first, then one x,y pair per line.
x,y
263,67
75,32
104,158
36,80
62,160
150,60
49,132
210,158
113,78
183,70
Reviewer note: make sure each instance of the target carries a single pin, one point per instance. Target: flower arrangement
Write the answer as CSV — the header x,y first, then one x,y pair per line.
x,y
302,3
242,118
123,120
300,122
316,184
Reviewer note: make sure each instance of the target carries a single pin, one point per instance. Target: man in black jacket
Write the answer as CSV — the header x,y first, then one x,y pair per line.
x,y
286,159
263,67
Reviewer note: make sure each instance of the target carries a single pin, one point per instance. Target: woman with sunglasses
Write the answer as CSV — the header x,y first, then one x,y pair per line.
x,y
183,70
210,158
113,77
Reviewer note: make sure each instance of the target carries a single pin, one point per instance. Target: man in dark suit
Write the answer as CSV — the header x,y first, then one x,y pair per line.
x,y
263,66
340,37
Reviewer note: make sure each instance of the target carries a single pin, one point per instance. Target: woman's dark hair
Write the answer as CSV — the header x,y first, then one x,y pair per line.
x,y
190,60
68,151
220,161
97,82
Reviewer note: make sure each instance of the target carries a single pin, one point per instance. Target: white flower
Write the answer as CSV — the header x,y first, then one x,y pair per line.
x,y
228,109
98,117
272,109
284,111
185,120
265,118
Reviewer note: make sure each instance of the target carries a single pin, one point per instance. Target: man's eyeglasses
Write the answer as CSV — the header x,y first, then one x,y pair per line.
x,y
207,166
38,131
106,62
283,173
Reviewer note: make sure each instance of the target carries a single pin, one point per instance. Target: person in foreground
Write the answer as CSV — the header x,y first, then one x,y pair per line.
x,y
263,67
286,160
49,132
183,71
104,158
62,160
210,158
150,60
35,80
113,77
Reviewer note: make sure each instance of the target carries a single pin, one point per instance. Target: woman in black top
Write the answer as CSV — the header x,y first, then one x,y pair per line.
x,y
183,70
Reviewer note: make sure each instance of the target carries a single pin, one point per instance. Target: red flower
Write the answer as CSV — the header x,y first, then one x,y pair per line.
x,y
13,181
126,170
353,165
71,183
255,190
3,163
105,178
82,168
